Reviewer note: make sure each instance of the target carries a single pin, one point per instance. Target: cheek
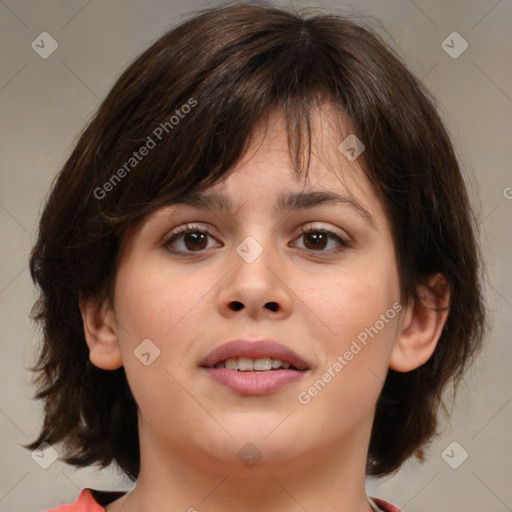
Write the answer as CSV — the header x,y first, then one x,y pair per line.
x,y
359,308
154,310
353,298
352,366
151,300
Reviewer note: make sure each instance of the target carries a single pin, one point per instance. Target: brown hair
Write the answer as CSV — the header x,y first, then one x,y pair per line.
x,y
233,65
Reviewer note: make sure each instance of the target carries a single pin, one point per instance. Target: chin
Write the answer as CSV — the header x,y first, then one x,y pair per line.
x,y
253,446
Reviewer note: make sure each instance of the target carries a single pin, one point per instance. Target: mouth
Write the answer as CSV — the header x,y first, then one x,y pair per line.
x,y
254,355
254,367
261,364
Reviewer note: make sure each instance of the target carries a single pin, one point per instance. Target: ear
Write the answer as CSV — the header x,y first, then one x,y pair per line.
x,y
422,325
100,334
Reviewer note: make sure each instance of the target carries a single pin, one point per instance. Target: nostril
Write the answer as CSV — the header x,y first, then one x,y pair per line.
x,y
236,305
272,306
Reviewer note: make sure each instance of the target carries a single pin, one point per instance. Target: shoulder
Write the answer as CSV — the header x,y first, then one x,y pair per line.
x,y
383,506
90,500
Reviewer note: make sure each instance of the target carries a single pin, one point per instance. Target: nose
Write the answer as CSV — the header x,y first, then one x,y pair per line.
x,y
256,288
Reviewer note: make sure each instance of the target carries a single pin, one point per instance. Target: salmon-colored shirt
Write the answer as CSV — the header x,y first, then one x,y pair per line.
x,y
91,500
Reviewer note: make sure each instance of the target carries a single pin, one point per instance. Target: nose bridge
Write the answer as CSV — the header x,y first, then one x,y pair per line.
x,y
253,262
255,284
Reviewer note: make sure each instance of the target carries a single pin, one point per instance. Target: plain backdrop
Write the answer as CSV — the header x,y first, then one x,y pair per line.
x,y
45,103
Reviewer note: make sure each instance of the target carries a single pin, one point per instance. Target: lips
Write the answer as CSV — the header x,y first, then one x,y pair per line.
x,y
254,350
248,380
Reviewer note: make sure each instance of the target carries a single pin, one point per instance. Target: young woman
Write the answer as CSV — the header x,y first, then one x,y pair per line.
x,y
258,271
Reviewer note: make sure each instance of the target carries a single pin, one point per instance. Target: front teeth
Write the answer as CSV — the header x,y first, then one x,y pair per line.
x,y
247,364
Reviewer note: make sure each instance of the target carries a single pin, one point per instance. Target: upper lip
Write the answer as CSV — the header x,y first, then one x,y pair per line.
x,y
253,349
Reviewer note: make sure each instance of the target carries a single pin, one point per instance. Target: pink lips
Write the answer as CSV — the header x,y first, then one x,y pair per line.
x,y
254,383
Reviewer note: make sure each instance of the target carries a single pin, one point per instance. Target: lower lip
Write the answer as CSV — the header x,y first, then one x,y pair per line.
x,y
254,383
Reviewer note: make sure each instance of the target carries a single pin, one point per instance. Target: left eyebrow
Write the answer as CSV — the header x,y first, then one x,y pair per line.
x,y
285,202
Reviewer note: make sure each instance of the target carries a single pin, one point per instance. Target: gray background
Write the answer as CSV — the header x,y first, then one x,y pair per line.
x,y
46,102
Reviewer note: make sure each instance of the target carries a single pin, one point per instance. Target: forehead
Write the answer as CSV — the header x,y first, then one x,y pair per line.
x,y
267,170
264,181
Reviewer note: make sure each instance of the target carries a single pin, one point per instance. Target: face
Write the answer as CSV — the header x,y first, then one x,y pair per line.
x,y
320,280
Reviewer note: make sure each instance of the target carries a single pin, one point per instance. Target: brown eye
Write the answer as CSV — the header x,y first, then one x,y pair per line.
x,y
317,239
314,240
195,240
189,239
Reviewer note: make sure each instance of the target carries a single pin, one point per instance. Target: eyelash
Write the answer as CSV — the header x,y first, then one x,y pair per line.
x,y
190,228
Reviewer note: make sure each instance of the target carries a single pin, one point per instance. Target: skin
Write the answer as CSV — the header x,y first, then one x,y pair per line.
x,y
312,456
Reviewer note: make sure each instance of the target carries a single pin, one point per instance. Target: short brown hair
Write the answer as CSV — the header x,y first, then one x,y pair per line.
x,y
233,65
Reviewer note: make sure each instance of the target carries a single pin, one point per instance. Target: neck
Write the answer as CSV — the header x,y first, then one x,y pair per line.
x,y
322,479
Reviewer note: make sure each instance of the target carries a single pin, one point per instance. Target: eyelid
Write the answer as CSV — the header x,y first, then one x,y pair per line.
x,y
343,240
189,226
315,226
177,233
303,229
